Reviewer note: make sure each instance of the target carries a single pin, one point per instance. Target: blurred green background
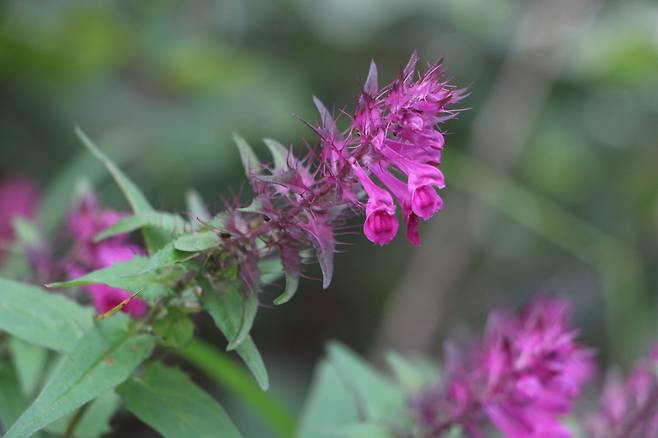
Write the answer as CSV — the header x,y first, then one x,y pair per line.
x,y
552,174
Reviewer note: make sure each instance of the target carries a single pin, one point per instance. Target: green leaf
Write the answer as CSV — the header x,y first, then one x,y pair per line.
x,y
233,311
361,430
27,233
167,400
196,209
228,375
175,329
154,238
249,159
195,242
95,421
250,355
412,375
104,358
168,223
377,397
329,404
135,275
29,362
12,399
279,154
40,317
292,283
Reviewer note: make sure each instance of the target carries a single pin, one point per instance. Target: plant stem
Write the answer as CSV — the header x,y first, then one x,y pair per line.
x,y
75,421
230,376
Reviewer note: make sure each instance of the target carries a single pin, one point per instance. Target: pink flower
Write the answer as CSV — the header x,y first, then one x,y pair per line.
x,y
381,225
523,377
628,408
18,198
85,223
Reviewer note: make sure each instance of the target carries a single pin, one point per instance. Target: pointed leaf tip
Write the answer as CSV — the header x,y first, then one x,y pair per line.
x,y
371,86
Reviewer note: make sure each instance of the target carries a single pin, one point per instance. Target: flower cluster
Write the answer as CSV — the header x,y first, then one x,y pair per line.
x,y
523,377
390,150
85,222
629,409
18,198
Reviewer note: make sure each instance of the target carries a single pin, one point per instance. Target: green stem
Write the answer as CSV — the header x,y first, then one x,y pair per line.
x,y
227,374
75,421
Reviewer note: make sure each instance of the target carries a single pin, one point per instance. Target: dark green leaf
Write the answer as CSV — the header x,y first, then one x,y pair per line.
x,y
12,399
168,401
105,357
198,241
41,318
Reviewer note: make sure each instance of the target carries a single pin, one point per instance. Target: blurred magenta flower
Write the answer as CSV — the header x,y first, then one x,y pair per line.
x,y
523,377
628,409
19,197
85,222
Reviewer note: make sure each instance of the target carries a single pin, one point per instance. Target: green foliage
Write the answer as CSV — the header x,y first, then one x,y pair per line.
x,y
168,401
41,318
168,223
12,399
105,357
249,159
135,275
29,362
195,242
175,329
154,238
228,375
233,310
95,419
350,398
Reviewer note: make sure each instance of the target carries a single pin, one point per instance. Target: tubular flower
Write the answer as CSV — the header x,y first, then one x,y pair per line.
x,y
85,222
523,377
628,409
394,131
389,151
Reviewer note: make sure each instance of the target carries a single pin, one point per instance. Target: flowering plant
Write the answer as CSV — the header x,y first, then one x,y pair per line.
x,y
145,291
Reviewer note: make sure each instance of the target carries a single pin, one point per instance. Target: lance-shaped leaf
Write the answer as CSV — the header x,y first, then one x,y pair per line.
x,y
41,318
196,209
135,275
234,313
168,223
95,421
154,238
29,361
167,400
104,358
249,159
199,241
280,154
